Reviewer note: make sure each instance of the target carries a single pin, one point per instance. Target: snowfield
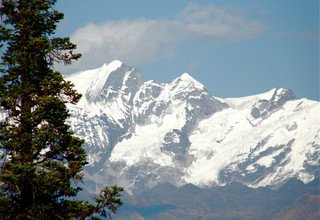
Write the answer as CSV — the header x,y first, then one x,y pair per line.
x,y
141,133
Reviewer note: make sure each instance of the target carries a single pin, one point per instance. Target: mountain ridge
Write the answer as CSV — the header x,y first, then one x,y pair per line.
x,y
293,200
139,134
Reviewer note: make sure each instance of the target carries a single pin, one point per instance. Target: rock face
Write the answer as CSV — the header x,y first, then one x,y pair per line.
x,y
140,134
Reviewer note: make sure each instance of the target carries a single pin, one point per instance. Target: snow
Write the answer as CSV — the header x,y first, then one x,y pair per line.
x,y
82,80
248,101
132,126
265,161
185,77
147,139
93,79
231,144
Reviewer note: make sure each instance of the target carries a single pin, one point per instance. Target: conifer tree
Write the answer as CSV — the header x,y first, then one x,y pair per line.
x,y
41,159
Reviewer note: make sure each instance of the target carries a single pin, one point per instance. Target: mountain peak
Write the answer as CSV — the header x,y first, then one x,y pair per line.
x,y
115,64
87,79
283,94
185,80
106,80
138,132
186,76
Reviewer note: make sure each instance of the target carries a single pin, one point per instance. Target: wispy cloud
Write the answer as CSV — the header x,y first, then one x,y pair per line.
x,y
144,40
218,23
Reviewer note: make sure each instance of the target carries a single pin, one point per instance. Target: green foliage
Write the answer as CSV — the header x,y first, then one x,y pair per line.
x,y
41,159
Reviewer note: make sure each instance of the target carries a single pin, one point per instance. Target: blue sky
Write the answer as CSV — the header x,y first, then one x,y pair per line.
x,y
235,48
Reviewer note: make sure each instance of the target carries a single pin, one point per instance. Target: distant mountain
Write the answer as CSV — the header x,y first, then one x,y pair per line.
x,y
144,134
182,153
294,200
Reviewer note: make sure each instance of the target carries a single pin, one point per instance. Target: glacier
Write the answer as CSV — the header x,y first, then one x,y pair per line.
x,y
139,133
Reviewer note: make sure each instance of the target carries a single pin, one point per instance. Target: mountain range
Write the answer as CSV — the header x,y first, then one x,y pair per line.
x,y
144,135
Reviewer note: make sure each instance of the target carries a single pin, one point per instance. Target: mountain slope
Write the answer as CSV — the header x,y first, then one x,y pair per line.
x,y
140,134
294,200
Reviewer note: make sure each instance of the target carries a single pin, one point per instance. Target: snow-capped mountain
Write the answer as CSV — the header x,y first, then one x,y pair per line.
x,y
139,134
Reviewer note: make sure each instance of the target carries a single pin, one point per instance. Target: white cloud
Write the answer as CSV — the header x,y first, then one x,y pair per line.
x,y
223,24
144,40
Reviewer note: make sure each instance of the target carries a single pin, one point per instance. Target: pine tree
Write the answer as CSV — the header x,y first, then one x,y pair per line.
x,y
41,159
